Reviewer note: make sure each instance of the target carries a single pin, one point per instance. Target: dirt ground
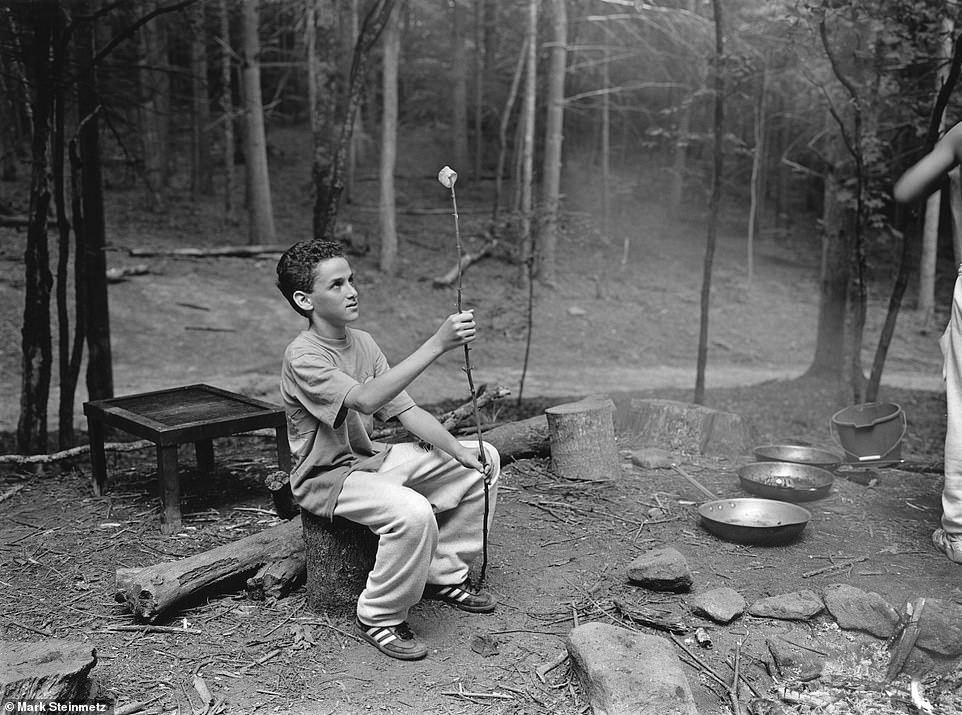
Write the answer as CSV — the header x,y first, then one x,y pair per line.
x,y
623,320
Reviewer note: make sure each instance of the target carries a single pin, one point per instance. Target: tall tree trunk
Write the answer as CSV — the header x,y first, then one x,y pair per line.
x,y
714,202
606,145
227,114
554,136
36,337
153,59
92,236
357,135
201,180
527,145
835,274
759,157
58,151
329,191
503,128
320,44
459,88
479,72
392,47
260,210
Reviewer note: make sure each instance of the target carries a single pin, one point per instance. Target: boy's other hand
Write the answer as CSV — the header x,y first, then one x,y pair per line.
x,y
457,329
469,458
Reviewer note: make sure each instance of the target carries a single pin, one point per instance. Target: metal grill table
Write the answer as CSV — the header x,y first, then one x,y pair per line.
x,y
168,418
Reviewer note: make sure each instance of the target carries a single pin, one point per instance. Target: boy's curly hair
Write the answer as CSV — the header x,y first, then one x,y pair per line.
x,y
295,269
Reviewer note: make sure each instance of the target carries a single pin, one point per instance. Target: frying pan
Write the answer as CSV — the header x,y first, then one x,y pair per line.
x,y
749,521
798,454
786,481
754,521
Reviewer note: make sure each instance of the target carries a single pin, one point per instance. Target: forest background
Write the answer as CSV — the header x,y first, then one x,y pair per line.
x,y
771,111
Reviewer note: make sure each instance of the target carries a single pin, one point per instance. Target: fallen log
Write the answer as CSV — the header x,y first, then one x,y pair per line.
x,y
151,591
521,439
449,278
274,559
485,396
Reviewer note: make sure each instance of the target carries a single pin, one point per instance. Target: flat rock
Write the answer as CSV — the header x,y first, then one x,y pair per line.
x,y
940,628
629,673
792,659
797,606
662,569
53,669
857,610
722,605
652,458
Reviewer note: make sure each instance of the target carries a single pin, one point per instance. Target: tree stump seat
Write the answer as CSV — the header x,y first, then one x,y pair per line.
x,y
339,555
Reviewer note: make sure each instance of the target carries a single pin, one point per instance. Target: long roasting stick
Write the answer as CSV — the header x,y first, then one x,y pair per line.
x,y
447,177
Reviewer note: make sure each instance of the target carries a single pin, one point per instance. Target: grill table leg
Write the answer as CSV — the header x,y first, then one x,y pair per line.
x,y
204,450
169,485
98,461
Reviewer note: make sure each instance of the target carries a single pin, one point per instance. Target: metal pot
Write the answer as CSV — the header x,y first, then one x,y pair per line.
x,y
754,521
813,456
786,481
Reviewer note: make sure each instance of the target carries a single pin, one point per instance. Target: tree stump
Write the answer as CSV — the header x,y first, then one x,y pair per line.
x,y
582,438
683,427
53,669
340,554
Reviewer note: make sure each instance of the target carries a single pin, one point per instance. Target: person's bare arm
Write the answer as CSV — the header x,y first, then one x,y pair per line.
x,y
425,426
924,177
457,329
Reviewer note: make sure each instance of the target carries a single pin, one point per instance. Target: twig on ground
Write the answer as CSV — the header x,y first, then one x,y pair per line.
x,y
462,693
153,629
834,567
260,661
542,670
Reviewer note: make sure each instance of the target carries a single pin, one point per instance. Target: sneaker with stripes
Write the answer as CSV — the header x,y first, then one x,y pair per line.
x,y
397,641
463,596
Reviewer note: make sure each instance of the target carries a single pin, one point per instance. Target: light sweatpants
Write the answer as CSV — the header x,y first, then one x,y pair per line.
x,y
951,344
428,511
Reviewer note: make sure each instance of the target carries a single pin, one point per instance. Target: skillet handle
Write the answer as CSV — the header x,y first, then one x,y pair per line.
x,y
694,482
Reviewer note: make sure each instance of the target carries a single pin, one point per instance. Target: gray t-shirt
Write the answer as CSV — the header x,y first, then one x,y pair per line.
x,y
328,440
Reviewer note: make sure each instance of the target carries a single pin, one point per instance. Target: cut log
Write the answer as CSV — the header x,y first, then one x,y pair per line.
x,y
278,483
54,670
277,578
688,428
582,439
151,591
521,439
340,554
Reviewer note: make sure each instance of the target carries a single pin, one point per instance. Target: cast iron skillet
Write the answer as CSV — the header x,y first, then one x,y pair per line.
x,y
786,481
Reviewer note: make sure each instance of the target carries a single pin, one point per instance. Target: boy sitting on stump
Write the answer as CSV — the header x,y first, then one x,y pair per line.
x,y
425,503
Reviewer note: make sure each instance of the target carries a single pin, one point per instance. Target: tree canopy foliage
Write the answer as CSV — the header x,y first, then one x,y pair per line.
x,y
818,93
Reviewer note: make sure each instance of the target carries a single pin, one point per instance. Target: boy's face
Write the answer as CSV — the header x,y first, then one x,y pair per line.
x,y
334,297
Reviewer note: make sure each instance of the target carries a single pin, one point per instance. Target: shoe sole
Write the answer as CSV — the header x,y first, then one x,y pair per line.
x,y
385,649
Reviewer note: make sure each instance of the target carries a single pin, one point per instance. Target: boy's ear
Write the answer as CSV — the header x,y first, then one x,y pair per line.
x,y
303,300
